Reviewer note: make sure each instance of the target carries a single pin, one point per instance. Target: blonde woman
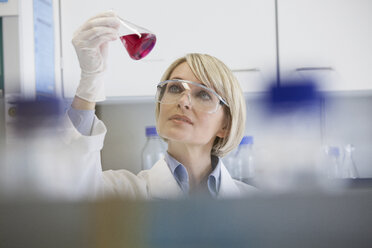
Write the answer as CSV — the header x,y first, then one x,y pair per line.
x,y
200,112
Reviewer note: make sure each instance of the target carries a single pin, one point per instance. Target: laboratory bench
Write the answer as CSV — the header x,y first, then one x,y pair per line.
x,y
310,219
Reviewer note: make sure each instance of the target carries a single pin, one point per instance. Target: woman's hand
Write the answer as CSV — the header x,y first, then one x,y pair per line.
x,y
91,45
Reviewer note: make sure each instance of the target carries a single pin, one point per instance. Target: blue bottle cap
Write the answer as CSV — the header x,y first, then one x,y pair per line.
x,y
151,131
333,150
247,140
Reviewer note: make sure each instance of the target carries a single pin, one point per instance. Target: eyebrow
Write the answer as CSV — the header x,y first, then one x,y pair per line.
x,y
176,78
187,80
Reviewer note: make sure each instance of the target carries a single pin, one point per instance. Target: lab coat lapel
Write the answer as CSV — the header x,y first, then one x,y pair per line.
x,y
161,182
228,187
163,185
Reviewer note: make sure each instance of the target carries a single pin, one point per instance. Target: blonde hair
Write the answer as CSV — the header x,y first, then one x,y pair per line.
x,y
216,75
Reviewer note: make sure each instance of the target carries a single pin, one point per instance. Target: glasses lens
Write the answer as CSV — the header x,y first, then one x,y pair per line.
x,y
202,98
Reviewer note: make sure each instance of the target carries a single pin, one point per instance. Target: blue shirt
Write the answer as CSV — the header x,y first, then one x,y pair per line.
x,y
83,122
180,174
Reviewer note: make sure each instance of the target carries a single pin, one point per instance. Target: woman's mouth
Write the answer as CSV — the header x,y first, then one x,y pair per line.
x,y
181,118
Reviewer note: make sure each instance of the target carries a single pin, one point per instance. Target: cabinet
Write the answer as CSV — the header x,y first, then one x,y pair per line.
x,y
239,32
329,39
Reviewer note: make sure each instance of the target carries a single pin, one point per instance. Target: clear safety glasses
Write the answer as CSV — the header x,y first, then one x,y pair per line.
x,y
200,97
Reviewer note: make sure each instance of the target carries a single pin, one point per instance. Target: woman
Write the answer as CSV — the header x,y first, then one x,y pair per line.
x,y
200,112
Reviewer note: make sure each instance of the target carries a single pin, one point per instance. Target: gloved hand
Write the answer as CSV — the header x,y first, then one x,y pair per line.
x,y
91,45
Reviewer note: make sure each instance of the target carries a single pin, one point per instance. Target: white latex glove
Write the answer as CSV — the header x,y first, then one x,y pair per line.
x,y
91,45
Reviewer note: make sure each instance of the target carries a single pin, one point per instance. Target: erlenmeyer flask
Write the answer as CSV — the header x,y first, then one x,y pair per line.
x,y
137,41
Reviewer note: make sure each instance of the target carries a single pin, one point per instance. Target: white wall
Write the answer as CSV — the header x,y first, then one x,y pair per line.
x,y
239,32
125,137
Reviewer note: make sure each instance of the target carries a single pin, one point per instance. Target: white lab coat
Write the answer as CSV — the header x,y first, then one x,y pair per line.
x,y
156,183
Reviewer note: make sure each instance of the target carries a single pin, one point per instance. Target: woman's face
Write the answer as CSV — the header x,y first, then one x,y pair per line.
x,y
180,122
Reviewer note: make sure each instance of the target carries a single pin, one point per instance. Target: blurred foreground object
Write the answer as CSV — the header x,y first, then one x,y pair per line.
x,y
291,220
291,160
36,163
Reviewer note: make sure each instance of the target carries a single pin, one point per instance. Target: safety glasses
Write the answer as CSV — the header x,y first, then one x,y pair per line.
x,y
199,96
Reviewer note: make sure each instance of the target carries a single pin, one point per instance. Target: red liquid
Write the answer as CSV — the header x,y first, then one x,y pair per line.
x,y
138,47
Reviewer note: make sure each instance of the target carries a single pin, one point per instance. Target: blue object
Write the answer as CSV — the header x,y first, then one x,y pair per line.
x,y
294,92
44,48
82,120
182,177
247,140
31,115
151,131
292,95
333,150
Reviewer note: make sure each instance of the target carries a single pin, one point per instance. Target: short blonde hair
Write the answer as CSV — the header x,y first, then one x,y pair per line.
x,y
216,75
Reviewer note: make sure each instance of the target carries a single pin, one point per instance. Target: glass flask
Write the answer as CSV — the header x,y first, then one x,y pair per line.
x,y
137,41
349,169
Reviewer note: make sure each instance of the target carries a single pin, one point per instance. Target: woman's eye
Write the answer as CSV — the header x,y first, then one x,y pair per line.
x,y
203,95
174,89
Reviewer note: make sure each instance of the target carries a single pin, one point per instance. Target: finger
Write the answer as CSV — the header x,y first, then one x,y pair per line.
x,y
112,22
95,42
108,13
99,41
95,32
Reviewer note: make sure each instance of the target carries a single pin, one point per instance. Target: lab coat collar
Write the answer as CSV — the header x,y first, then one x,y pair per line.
x,y
163,185
228,187
161,182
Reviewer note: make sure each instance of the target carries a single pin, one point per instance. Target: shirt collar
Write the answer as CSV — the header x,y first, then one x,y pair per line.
x,y
214,179
180,174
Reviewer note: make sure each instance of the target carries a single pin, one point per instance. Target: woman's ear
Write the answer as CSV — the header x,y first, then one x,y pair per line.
x,y
224,129
225,126
222,132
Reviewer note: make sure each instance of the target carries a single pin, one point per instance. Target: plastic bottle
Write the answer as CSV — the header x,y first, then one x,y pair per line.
x,y
243,159
333,162
230,164
349,169
154,148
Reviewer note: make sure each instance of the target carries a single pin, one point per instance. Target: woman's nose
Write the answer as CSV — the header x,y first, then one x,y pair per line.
x,y
185,101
